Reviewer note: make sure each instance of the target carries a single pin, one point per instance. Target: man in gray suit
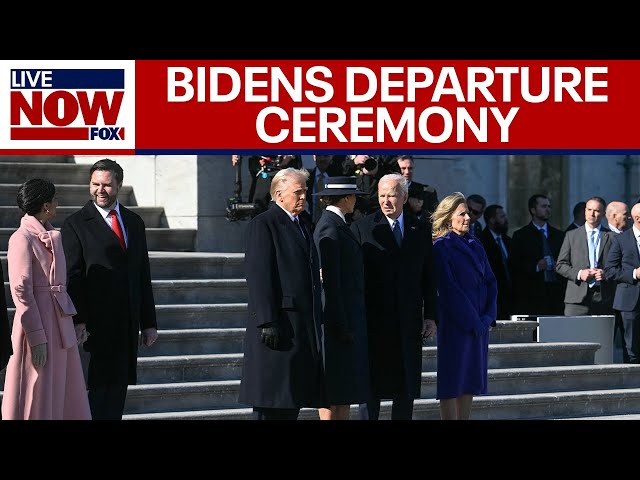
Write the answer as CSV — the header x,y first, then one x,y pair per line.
x,y
581,260
623,266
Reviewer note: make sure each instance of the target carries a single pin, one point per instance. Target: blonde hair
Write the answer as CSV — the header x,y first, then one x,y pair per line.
x,y
441,218
283,177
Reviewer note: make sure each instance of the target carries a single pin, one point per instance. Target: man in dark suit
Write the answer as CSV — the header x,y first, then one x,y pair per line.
x,y
581,262
538,289
282,367
578,217
109,281
497,244
476,205
399,297
423,199
617,214
622,265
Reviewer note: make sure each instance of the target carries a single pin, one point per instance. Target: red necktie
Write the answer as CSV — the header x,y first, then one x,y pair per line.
x,y
117,229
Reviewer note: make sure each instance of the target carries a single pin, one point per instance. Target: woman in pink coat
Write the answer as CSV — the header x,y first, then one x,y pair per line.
x,y
44,379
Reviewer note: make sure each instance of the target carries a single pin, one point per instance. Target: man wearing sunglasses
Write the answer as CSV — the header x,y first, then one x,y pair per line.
x,y
476,205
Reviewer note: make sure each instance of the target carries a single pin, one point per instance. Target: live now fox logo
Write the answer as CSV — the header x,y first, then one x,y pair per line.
x,y
67,104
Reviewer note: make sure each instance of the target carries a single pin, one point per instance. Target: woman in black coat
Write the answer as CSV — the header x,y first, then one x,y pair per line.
x,y
345,342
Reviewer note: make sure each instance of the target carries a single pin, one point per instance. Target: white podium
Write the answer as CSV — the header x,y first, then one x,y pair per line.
x,y
588,328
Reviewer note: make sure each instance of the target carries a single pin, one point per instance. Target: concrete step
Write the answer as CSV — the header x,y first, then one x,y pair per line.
x,y
217,355
524,355
196,342
217,290
508,381
512,355
182,265
171,239
170,292
194,395
10,216
194,316
56,172
196,265
158,239
536,406
202,315
189,368
37,159
67,194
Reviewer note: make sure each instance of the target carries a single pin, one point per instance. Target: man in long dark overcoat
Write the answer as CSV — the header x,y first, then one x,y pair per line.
x,y
109,281
282,367
399,297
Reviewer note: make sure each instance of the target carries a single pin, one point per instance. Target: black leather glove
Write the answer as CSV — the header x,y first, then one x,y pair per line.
x,y
341,333
270,335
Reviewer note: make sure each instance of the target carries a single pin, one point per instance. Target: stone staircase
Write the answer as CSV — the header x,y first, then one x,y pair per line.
x,y
193,370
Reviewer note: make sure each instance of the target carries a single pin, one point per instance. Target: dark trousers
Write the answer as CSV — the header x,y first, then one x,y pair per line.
x,y
619,332
401,408
261,413
107,402
631,322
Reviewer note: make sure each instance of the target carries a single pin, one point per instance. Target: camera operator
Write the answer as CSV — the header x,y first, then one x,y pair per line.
x,y
368,170
262,169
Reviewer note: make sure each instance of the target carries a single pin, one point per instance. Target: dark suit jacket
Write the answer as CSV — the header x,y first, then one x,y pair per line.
x,y
346,366
503,279
574,256
571,226
99,274
399,294
283,277
6,349
532,296
623,258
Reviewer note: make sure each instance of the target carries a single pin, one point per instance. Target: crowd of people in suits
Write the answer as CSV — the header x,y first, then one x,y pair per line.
x,y
83,304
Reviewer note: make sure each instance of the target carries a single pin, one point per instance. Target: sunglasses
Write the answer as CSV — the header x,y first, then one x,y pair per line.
x,y
474,211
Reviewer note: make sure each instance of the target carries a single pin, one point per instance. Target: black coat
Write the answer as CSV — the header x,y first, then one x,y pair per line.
x,y
532,296
100,274
501,272
399,293
346,366
283,277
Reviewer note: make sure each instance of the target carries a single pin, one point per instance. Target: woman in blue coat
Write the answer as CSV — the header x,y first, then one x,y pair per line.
x,y
467,297
346,359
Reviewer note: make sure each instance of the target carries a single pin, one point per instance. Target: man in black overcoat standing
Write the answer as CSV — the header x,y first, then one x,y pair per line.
x,y
282,368
109,281
400,298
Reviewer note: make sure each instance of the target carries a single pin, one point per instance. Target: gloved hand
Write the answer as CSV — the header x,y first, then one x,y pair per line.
x,y
341,333
270,335
39,355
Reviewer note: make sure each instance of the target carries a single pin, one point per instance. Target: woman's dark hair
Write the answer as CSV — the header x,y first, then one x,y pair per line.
x,y
33,194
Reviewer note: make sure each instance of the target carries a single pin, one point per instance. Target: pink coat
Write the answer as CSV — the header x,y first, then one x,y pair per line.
x,y
37,277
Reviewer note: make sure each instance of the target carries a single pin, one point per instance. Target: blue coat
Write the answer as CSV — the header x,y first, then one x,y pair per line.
x,y
467,298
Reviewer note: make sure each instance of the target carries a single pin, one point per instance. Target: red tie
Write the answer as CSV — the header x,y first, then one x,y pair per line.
x,y
117,229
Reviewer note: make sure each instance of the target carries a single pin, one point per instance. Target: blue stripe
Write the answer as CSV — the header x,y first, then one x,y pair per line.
x,y
394,151
69,79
